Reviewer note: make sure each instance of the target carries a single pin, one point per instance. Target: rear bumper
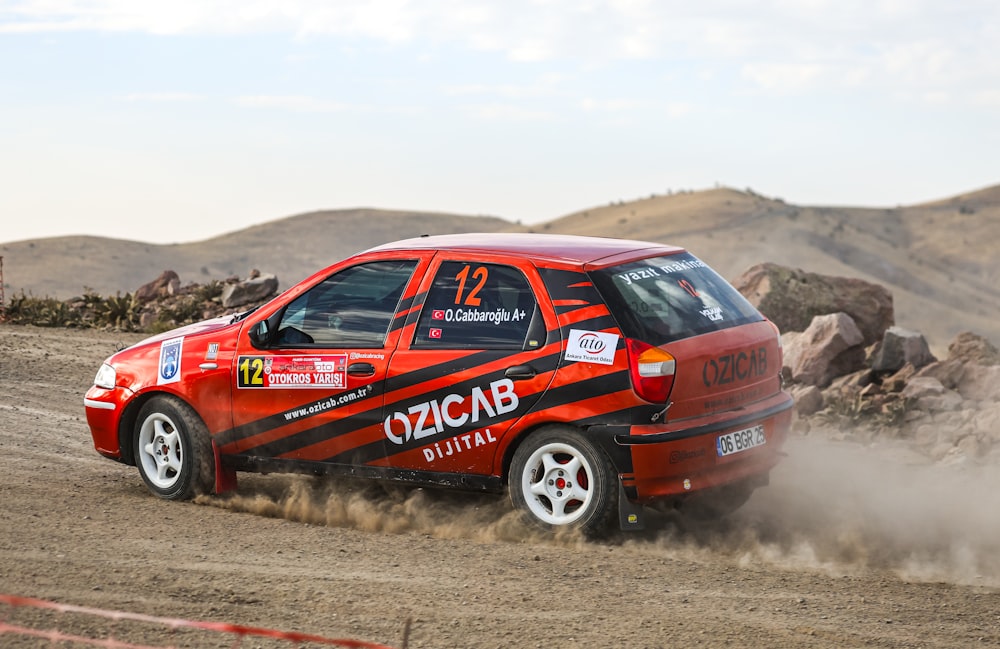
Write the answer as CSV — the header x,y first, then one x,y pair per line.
x,y
678,458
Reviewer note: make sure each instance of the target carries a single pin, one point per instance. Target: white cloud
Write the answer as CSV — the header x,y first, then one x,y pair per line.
x,y
161,97
499,90
296,103
507,113
610,105
778,46
785,77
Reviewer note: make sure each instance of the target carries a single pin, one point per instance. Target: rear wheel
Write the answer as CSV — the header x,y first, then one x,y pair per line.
x,y
559,480
173,450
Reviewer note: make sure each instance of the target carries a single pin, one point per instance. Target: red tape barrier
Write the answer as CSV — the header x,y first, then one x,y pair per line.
x,y
172,623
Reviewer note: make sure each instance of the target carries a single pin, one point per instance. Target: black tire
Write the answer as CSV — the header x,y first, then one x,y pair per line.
x,y
173,450
560,480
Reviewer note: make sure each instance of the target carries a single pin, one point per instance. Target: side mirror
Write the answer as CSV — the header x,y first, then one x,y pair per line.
x,y
260,335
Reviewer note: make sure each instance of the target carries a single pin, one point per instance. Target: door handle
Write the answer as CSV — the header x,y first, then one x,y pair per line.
x,y
361,369
520,372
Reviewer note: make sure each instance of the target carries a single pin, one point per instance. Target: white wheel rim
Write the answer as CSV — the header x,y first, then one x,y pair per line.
x,y
557,484
161,452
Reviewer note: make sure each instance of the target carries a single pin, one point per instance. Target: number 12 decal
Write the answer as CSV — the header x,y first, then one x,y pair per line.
x,y
472,299
251,369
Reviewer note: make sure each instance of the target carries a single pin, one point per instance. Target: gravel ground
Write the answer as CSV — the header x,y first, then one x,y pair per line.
x,y
850,546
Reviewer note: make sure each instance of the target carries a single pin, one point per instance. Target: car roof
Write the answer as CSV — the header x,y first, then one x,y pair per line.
x,y
554,247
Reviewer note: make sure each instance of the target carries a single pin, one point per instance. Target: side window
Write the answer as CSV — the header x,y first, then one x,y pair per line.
x,y
477,306
352,308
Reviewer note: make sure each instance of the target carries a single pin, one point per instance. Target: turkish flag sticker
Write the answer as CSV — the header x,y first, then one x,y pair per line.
x,y
434,333
438,314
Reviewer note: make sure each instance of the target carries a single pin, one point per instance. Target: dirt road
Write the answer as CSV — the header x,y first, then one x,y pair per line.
x,y
850,546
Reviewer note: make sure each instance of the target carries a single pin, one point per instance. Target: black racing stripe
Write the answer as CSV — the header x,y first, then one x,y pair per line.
x,y
399,321
333,429
598,323
463,364
526,403
589,389
366,453
323,432
359,454
284,417
569,285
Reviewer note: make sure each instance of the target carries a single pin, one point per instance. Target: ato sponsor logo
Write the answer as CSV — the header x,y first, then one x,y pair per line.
x,y
591,343
731,368
452,411
591,346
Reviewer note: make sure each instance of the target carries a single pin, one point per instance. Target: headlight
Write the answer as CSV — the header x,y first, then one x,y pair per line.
x,y
106,377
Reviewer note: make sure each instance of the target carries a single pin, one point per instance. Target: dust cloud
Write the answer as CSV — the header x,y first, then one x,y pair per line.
x,y
832,506
379,507
842,507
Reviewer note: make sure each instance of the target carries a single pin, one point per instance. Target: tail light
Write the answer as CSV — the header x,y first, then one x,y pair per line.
x,y
781,347
652,370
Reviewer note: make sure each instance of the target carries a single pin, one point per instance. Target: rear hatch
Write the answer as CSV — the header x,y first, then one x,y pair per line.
x,y
693,340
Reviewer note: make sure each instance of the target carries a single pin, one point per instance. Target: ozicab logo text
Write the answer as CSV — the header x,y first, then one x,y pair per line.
x,y
734,367
452,411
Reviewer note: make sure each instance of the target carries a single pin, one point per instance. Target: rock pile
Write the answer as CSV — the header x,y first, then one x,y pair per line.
x,y
846,364
163,303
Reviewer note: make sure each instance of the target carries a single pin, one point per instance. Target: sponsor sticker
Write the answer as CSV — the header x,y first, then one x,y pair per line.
x,y
713,313
460,444
451,412
498,316
213,352
170,361
591,347
327,371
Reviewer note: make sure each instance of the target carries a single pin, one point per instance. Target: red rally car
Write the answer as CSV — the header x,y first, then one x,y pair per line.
x,y
588,377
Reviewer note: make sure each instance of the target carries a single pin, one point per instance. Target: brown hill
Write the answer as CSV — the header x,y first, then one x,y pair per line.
x,y
937,258
292,248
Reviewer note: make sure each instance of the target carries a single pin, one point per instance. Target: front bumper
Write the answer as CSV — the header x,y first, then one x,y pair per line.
x,y
104,412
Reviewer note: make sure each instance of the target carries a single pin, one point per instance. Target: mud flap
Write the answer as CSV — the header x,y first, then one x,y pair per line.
x,y
225,477
630,516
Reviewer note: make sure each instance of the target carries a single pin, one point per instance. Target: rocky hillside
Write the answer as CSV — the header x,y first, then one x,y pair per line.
x,y
937,259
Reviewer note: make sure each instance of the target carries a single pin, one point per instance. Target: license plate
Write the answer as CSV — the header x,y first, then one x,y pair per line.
x,y
740,440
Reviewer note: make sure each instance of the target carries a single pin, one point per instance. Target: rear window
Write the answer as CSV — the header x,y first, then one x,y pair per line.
x,y
662,299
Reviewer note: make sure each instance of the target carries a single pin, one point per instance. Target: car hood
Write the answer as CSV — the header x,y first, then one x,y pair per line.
x,y
203,327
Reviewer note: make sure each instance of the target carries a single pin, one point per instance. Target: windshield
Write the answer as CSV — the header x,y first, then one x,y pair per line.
x,y
662,299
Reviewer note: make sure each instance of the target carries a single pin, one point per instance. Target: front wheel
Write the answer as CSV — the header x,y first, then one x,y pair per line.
x,y
559,480
173,450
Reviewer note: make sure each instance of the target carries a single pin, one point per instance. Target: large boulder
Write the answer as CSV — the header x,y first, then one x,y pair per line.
x,y
166,285
972,348
900,346
256,289
831,346
791,298
981,383
927,393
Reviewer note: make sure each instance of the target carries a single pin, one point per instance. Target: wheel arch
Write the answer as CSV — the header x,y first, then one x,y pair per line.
x,y
602,436
130,416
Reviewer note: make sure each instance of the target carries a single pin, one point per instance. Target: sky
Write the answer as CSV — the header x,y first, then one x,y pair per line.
x,y
180,120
